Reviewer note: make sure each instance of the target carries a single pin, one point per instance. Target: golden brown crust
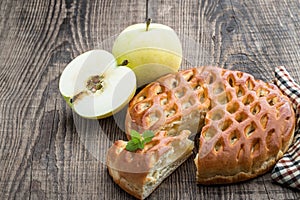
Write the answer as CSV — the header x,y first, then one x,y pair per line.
x,y
247,133
172,103
246,124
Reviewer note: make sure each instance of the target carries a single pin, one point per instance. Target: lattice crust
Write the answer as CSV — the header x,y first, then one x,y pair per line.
x,y
245,124
173,103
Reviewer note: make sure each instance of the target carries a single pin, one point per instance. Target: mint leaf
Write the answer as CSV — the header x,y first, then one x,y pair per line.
x,y
132,145
138,141
141,145
147,135
135,134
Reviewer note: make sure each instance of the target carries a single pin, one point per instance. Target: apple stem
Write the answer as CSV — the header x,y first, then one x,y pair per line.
x,y
124,63
148,23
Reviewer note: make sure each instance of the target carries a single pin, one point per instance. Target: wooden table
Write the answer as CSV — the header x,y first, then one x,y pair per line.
x,y
44,155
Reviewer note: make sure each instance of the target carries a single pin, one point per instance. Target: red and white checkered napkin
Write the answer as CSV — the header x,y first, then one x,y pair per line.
x,y
287,169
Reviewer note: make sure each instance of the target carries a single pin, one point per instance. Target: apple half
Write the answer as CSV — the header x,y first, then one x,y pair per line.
x,y
94,86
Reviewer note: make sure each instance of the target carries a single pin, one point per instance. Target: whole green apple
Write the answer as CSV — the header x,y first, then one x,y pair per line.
x,y
150,50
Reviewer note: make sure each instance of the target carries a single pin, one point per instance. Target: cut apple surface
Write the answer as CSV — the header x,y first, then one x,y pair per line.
x,y
94,86
150,49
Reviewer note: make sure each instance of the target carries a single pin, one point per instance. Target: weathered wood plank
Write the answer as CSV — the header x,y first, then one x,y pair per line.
x,y
26,50
43,153
238,35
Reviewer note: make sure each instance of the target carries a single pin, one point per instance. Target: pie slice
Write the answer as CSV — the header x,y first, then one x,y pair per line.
x,y
244,125
141,171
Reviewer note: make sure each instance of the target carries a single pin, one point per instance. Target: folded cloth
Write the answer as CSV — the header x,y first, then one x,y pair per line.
x,y
287,169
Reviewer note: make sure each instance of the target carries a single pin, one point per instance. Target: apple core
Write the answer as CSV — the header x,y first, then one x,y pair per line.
x,y
95,83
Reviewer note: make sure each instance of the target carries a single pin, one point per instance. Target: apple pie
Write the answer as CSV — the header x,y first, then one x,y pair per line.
x,y
242,125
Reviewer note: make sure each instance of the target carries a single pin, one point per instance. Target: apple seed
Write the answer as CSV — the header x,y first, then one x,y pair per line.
x,y
95,83
96,79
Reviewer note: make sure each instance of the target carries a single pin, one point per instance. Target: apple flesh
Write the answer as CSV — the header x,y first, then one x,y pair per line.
x,y
151,51
94,86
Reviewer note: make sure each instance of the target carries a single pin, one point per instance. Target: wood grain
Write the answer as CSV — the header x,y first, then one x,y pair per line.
x,y
45,150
